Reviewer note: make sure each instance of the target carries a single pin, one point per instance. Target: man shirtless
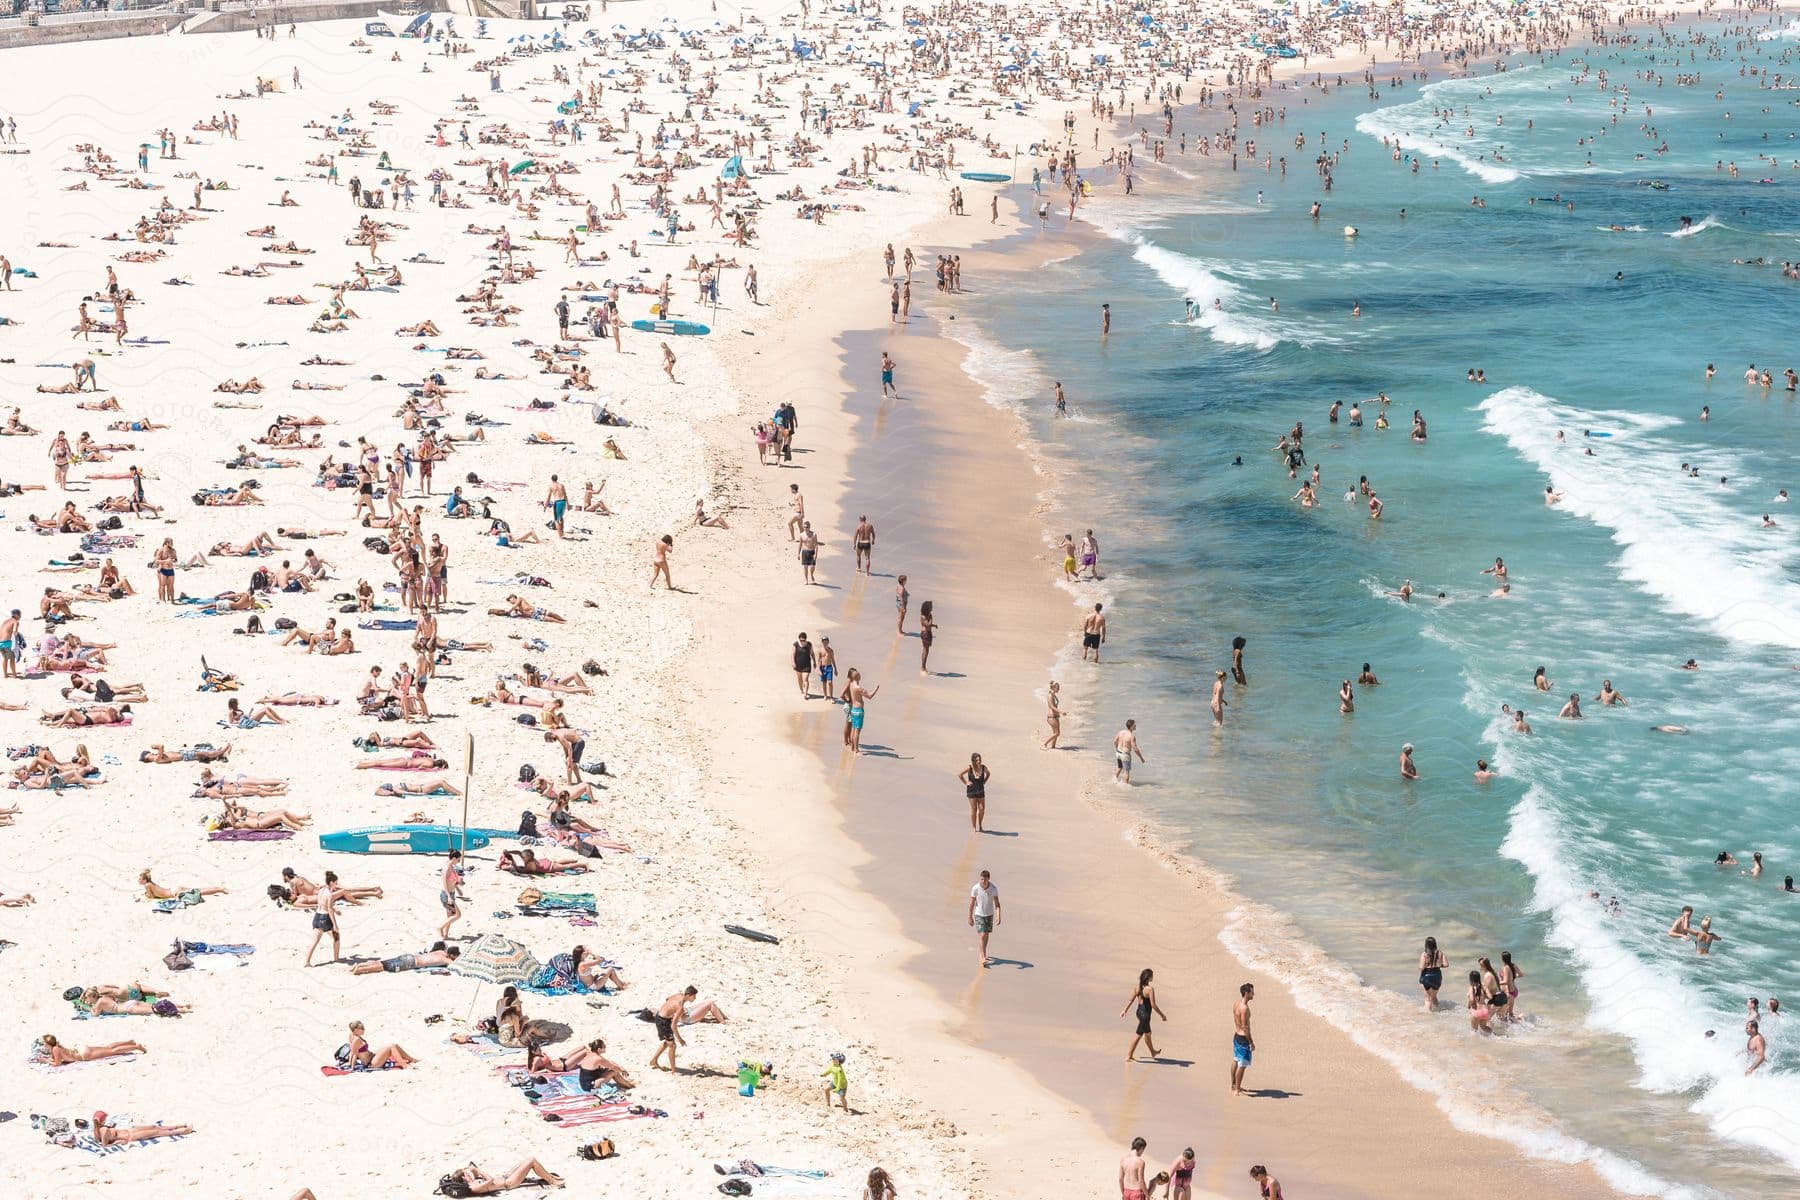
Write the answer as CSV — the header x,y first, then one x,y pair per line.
x,y
1243,1043
1093,633
863,541
1125,745
1132,1185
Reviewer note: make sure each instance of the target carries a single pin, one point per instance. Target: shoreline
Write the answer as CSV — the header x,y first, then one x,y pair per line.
x,y
1184,885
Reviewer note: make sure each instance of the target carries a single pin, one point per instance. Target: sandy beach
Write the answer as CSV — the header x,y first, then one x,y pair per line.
x,y
722,797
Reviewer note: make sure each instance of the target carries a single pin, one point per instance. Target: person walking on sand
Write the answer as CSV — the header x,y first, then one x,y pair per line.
x,y
450,886
974,779
809,553
1243,1042
669,363
863,542
887,372
1132,1185
325,902
856,701
803,665
797,503
659,563
1093,632
984,912
11,644
1143,999
1125,744
1053,714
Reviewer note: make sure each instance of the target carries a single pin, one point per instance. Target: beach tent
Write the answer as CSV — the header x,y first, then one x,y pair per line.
x,y
418,25
734,167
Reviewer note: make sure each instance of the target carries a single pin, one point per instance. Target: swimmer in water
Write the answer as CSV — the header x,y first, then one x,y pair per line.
x,y
1682,928
1405,592
1483,772
1551,495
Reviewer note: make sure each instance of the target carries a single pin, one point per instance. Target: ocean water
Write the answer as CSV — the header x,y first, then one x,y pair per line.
x,y
1591,339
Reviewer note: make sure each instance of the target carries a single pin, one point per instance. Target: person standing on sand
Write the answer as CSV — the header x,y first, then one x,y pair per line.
x,y
1143,998
803,666
887,366
1131,1172
984,912
827,669
1243,1043
1053,714
557,501
1125,744
856,700
1093,633
1271,1186
164,560
974,779
863,542
809,552
901,598
10,645
670,1016
659,565
927,634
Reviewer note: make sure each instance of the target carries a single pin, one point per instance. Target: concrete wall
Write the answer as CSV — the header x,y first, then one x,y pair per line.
x,y
51,32
238,21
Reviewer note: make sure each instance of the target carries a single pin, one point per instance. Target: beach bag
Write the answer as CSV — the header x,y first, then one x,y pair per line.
x,y
529,897
587,851
528,826
177,960
735,1187
596,1151
453,1185
166,1008
594,767
527,719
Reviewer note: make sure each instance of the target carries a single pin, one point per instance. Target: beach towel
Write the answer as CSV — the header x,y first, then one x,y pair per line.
x,y
44,1068
249,835
84,1141
332,1072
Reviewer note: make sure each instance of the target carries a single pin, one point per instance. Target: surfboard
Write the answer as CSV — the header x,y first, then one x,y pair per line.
x,y
986,177
402,839
678,328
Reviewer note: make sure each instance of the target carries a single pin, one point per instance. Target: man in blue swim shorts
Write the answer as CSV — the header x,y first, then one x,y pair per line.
x,y
1243,1044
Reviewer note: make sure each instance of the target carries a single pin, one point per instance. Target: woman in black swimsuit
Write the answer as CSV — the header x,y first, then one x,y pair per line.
x,y
1431,972
1143,998
927,631
974,778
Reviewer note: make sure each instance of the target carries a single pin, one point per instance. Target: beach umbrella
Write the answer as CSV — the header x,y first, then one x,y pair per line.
x,y
496,959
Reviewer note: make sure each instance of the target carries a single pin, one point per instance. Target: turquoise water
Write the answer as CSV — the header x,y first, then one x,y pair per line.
x,y
1642,566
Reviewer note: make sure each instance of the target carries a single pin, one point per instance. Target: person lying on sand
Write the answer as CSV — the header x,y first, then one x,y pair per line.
x,y
236,816
523,862
408,787
114,1135
203,754
93,714
517,606
155,891
55,1054
417,760
443,956
480,1183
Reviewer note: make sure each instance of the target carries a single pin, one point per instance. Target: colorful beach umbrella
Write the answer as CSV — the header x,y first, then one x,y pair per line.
x,y
497,959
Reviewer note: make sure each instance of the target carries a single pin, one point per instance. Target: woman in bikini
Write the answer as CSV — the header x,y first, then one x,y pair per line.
x,y
1143,999
1431,972
974,779
56,1054
1480,1017
1053,714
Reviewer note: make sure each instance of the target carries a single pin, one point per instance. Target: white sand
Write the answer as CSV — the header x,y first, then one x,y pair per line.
x,y
244,1066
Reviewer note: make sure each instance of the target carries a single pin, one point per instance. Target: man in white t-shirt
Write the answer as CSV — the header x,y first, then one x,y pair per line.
x,y
984,912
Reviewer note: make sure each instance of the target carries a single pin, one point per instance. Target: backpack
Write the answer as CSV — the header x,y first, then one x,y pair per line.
x,y
528,827
596,1151
103,691
453,1184
527,773
259,580
177,959
735,1187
